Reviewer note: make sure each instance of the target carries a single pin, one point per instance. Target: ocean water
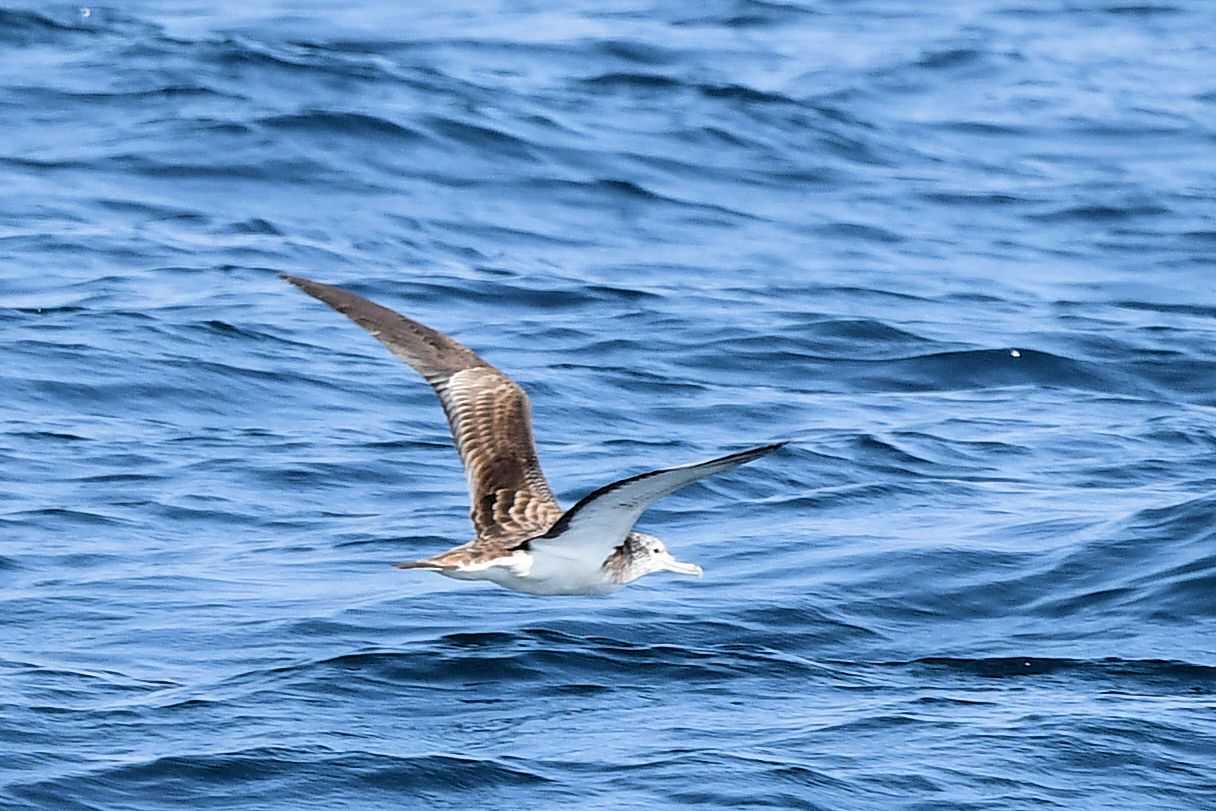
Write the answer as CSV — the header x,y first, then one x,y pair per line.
x,y
961,254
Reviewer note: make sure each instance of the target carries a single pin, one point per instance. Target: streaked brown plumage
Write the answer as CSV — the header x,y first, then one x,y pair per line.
x,y
489,414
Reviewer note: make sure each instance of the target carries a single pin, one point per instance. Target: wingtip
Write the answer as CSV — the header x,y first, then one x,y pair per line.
x,y
751,454
298,281
763,450
339,298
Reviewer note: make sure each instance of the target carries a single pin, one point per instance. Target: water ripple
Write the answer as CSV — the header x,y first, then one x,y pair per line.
x,y
961,260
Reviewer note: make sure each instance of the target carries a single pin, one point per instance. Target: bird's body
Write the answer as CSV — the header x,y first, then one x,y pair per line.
x,y
558,569
524,541
523,571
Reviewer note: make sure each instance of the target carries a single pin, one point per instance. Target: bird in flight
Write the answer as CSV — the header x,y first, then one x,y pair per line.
x,y
524,540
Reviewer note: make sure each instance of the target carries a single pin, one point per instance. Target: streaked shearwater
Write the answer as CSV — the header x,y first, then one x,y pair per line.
x,y
524,541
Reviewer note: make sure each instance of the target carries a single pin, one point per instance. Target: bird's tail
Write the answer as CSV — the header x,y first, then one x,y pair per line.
x,y
421,564
452,560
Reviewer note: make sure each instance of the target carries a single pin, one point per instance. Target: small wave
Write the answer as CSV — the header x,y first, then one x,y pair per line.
x,y
237,51
276,773
1186,308
480,136
541,659
63,515
954,370
734,92
1101,213
1189,521
120,478
983,127
752,13
871,233
976,199
30,27
140,95
864,329
340,122
1160,673
301,170
986,368
53,436
254,225
664,82
636,81
1142,9
1153,563
1177,374
639,51
615,191
950,58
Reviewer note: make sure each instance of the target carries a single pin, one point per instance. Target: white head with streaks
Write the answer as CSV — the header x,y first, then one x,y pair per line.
x,y
646,554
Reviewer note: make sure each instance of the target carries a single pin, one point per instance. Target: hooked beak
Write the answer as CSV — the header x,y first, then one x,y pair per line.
x,y
679,567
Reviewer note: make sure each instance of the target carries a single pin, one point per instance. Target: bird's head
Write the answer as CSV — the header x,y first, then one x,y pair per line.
x,y
649,555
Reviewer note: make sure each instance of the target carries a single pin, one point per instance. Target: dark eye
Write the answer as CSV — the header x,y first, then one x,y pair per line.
x,y
656,550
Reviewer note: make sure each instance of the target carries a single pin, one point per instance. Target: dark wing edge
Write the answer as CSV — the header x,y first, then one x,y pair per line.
x,y
620,504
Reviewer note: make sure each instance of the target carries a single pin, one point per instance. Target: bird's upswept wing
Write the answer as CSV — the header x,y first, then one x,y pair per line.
x,y
599,522
488,413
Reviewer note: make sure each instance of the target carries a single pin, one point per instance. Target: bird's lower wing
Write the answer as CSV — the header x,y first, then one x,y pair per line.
x,y
599,522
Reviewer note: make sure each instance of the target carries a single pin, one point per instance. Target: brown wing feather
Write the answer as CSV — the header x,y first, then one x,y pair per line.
x,y
488,413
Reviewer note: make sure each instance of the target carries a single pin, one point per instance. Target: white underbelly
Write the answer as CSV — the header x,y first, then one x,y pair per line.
x,y
546,576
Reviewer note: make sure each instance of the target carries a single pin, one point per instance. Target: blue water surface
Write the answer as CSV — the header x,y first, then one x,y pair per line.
x,y
962,254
